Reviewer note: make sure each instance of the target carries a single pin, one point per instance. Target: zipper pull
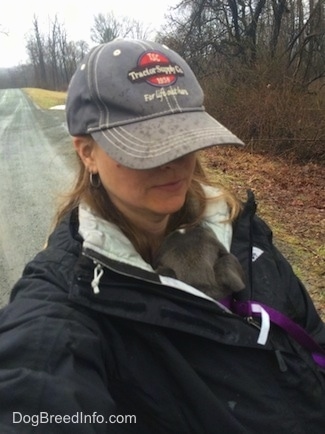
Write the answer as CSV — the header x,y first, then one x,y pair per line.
x,y
98,272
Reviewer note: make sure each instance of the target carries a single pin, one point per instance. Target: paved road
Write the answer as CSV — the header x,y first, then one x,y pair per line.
x,y
36,162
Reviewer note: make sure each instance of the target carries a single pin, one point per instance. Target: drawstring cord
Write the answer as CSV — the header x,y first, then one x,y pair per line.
x,y
98,272
265,323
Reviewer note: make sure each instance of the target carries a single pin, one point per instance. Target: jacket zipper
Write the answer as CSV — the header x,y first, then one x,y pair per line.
x,y
280,360
99,271
252,322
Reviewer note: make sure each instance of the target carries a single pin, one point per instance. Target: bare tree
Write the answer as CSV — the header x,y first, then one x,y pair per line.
x,y
36,51
105,29
108,27
289,33
71,54
280,7
53,57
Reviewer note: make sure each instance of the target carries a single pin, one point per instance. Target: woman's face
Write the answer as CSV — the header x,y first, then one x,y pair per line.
x,y
142,195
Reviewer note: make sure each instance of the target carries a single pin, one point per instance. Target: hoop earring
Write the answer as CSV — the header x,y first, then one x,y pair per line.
x,y
94,180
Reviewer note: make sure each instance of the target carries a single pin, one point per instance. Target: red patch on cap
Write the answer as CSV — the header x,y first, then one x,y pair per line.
x,y
156,69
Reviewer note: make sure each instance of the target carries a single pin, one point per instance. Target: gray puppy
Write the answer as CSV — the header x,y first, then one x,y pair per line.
x,y
196,257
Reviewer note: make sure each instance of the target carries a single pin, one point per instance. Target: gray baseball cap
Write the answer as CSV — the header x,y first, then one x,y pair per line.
x,y
142,104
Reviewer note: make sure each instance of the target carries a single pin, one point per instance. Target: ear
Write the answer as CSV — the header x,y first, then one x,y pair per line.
x,y
85,148
166,271
229,273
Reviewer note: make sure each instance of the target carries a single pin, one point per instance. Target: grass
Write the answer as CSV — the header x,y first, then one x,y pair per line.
x,y
45,98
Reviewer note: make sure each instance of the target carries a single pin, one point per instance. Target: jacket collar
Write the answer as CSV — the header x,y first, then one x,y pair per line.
x,y
107,240
138,294
106,245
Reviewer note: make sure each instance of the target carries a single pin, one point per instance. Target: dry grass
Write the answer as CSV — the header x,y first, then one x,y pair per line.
x,y
46,98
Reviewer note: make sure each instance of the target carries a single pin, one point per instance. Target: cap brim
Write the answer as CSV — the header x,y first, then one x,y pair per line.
x,y
157,141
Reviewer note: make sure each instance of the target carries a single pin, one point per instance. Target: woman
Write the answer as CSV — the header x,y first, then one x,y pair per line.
x,y
94,340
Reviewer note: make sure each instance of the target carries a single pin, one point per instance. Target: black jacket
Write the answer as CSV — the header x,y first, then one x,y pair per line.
x,y
141,357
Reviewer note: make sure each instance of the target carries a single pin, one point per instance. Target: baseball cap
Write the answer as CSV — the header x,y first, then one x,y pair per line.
x,y
141,102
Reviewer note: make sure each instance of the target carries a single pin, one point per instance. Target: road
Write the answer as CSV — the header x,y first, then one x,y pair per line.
x,y
36,164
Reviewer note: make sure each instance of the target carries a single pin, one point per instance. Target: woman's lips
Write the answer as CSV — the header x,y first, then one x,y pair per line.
x,y
170,186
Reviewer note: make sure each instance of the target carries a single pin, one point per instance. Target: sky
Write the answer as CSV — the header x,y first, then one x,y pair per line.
x,y
16,20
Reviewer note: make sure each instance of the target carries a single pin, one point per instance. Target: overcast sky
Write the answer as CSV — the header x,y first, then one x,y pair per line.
x,y
16,19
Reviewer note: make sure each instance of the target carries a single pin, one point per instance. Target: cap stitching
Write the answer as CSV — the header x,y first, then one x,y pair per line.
x,y
164,148
176,102
143,118
103,110
127,135
173,109
168,102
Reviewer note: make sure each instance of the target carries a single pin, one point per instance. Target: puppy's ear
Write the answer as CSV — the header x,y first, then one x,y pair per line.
x,y
229,273
166,271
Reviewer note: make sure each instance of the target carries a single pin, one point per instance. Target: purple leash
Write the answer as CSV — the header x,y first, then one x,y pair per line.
x,y
245,308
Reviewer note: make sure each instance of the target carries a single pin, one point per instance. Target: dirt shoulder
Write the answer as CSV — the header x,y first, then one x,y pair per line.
x,y
291,199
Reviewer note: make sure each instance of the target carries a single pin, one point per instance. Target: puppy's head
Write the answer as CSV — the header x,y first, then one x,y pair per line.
x,y
196,257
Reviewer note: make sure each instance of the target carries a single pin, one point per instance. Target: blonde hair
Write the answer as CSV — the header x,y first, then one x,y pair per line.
x,y
190,214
